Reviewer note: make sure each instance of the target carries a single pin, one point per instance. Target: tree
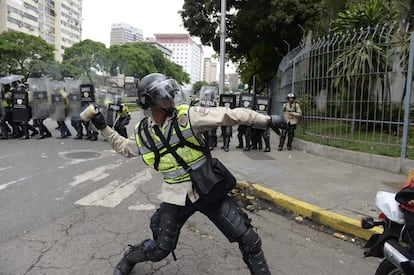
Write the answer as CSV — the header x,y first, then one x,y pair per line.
x,y
367,55
87,55
197,86
19,51
256,31
141,59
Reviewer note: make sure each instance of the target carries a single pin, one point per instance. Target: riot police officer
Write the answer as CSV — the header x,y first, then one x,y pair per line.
x,y
21,111
228,101
6,111
292,113
179,198
39,105
122,121
262,105
246,101
88,97
208,99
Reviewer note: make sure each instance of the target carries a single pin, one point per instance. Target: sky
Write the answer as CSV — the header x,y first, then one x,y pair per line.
x,y
151,16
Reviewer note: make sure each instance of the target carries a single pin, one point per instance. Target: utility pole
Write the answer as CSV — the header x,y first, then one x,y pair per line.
x,y
222,46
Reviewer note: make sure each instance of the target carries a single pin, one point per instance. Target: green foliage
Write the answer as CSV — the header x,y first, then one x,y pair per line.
x,y
197,86
87,55
364,14
141,59
19,51
256,30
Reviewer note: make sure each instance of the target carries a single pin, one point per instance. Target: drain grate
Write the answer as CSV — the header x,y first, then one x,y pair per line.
x,y
82,155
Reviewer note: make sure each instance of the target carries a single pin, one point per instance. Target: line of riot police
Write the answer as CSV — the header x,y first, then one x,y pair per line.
x,y
42,98
250,137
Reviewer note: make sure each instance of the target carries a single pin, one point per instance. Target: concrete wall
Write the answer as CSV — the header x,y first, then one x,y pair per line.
x,y
396,165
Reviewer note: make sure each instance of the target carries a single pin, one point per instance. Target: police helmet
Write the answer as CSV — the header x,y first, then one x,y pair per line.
x,y
156,86
290,95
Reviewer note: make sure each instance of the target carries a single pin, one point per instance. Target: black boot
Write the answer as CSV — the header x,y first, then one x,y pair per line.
x,y
289,143
240,137
226,143
282,141
134,254
257,264
267,144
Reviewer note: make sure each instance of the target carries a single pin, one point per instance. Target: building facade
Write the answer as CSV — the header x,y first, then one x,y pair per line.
x,y
165,51
59,22
122,33
185,52
209,71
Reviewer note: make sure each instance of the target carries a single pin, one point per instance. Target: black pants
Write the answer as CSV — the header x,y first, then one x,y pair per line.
x,y
168,220
290,133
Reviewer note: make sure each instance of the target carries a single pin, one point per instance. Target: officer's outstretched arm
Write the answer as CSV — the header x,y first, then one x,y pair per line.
x,y
204,119
124,146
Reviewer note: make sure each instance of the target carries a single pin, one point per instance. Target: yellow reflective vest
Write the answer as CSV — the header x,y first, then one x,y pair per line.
x,y
155,153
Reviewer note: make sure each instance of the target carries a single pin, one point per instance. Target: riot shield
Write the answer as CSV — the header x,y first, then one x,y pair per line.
x,y
262,105
113,109
207,96
58,108
247,101
181,97
228,100
2,91
40,102
74,97
87,92
20,104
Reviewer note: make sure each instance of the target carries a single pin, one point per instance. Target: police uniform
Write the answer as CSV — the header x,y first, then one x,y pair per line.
x,y
174,148
179,199
292,113
201,119
6,115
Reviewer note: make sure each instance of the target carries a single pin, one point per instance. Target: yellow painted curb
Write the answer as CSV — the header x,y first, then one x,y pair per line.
x,y
317,214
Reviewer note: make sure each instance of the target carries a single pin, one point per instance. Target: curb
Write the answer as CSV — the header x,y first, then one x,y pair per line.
x,y
317,214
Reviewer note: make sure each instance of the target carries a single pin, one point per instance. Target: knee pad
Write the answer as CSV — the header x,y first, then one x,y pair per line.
x,y
232,219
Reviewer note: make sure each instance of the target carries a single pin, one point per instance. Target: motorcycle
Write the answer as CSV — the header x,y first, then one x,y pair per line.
x,y
395,245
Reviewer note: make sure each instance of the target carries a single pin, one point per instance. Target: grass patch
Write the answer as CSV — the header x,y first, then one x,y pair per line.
x,y
339,135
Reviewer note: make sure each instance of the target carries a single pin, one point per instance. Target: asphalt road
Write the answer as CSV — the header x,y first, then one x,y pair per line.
x,y
72,206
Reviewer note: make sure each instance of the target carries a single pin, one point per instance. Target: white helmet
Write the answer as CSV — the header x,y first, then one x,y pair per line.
x,y
290,95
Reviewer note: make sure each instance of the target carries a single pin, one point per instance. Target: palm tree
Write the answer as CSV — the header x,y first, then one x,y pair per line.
x,y
367,54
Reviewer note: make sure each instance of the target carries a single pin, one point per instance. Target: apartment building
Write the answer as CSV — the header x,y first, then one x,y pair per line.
x,y
122,33
59,22
185,52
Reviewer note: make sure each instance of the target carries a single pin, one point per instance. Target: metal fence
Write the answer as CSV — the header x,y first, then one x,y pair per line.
x,y
353,90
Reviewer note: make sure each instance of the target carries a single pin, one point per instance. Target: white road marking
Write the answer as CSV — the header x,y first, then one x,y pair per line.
x,y
94,175
3,186
5,168
115,192
141,207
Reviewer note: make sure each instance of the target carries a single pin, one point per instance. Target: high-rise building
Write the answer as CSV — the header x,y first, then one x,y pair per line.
x,y
185,52
59,22
122,33
165,51
210,71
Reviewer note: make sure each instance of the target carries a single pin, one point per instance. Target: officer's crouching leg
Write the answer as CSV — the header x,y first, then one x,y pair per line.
x,y
250,245
166,237
235,225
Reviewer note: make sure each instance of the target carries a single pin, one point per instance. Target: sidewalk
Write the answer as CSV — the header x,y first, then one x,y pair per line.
x,y
330,192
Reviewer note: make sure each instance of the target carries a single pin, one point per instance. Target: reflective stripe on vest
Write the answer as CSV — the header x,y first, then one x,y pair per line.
x,y
168,166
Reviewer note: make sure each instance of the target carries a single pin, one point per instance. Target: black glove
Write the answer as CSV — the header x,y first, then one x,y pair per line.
x,y
99,121
276,123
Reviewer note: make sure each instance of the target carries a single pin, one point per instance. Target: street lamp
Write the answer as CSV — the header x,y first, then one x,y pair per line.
x,y
222,46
